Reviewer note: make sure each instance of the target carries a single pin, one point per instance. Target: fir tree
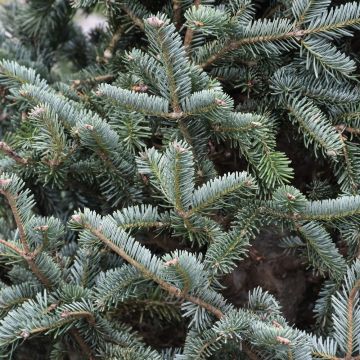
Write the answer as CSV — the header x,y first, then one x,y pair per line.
x,y
110,143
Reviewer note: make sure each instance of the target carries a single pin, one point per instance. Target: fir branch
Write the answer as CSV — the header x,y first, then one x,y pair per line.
x,y
12,247
186,128
31,258
350,318
132,101
322,252
167,45
253,40
332,23
316,127
11,198
129,7
143,216
324,57
12,154
349,183
189,32
323,210
211,194
172,290
306,10
13,75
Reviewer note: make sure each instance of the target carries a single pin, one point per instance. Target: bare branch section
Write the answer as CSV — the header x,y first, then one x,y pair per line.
x,y
177,13
97,79
351,130
109,51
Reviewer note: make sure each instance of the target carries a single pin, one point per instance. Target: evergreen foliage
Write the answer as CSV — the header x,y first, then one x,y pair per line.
x,y
117,201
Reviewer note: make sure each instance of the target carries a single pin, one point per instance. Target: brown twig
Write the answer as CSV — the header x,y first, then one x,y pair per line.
x,y
12,202
136,20
189,32
12,247
109,51
96,79
249,352
351,176
177,13
79,315
83,345
343,127
29,258
350,309
5,148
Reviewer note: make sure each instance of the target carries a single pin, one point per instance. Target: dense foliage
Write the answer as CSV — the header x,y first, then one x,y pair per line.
x,y
138,162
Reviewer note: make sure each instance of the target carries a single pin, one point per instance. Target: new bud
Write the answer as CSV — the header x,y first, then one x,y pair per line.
x,y
220,102
155,21
76,218
89,127
4,182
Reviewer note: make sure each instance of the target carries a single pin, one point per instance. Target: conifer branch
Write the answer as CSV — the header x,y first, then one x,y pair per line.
x,y
26,254
171,57
348,164
135,19
172,290
12,202
29,258
280,71
315,27
326,210
68,317
350,319
6,149
189,32
234,45
12,247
